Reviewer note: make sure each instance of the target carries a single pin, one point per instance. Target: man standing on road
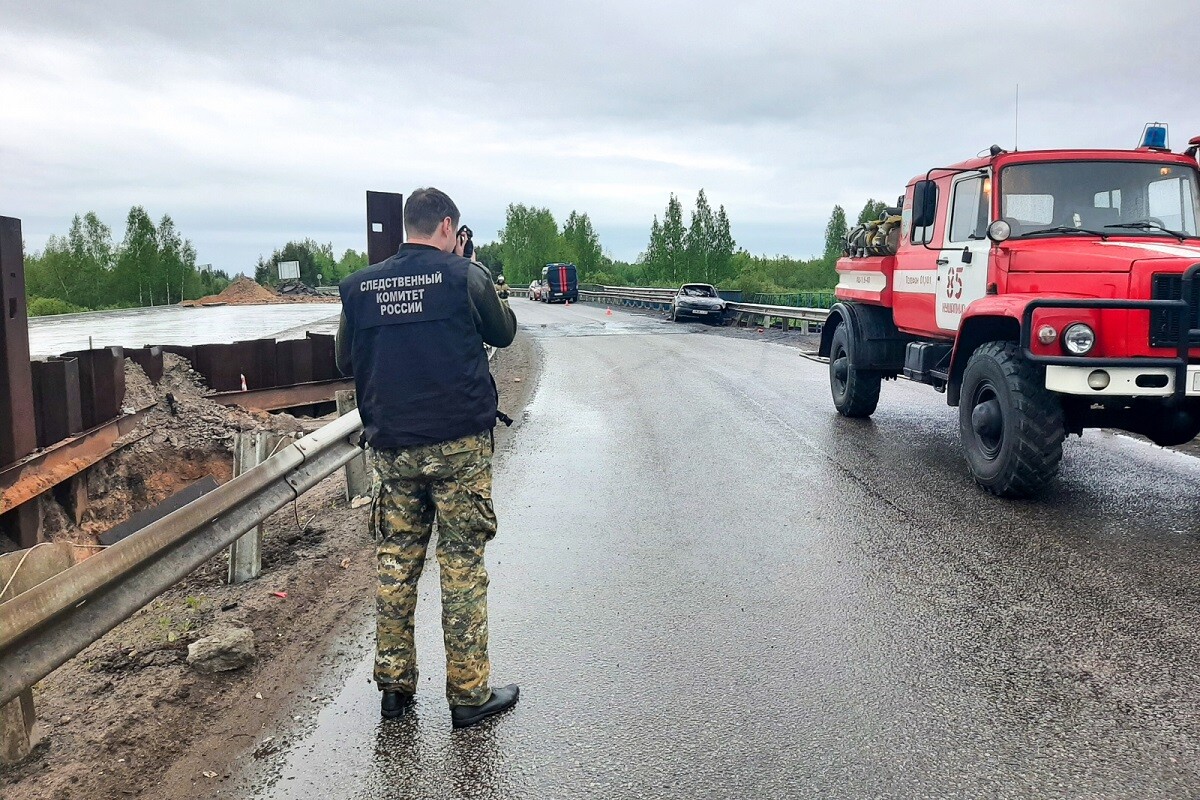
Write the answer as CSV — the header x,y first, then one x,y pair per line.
x,y
412,334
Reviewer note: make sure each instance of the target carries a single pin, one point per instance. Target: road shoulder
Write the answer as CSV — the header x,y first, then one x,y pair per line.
x,y
128,717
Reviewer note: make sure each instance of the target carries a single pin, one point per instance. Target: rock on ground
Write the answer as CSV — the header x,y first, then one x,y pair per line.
x,y
225,649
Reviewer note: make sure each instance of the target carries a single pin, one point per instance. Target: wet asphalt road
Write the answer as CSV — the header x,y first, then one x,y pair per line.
x,y
710,585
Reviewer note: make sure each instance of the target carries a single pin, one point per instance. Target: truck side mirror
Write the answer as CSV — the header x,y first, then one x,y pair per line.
x,y
924,204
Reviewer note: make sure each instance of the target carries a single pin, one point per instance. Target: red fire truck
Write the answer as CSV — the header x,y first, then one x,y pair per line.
x,y
1043,292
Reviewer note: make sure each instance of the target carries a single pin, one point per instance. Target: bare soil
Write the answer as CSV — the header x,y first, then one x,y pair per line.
x,y
129,718
246,292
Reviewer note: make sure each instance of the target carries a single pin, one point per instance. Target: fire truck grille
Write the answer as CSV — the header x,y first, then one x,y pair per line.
x,y
1164,324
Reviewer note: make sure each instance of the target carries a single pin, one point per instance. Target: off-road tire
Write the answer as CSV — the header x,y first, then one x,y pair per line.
x,y
858,394
1031,427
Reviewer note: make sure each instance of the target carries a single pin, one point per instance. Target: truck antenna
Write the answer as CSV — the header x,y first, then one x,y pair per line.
x,y
1017,119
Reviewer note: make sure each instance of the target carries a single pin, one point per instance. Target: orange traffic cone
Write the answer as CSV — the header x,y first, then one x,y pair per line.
x,y
608,313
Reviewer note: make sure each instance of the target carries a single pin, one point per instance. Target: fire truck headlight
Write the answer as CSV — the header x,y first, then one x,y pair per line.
x,y
1079,339
999,231
1047,335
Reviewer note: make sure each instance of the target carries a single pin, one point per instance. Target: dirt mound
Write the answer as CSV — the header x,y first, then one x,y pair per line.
x,y
245,292
242,292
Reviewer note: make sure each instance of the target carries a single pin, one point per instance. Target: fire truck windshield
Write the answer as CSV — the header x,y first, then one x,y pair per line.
x,y
1112,198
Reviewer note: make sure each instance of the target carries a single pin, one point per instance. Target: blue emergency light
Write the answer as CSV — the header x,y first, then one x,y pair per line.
x,y
1154,136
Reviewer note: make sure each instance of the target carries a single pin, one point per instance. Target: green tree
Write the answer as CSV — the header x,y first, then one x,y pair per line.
x,y
152,266
490,256
674,252
51,274
92,256
315,259
582,245
176,263
871,211
212,281
654,259
350,262
698,242
722,247
134,278
75,268
835,234
529,241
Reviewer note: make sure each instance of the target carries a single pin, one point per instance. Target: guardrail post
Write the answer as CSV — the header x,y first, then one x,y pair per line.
x,y
25,569
250,449
358,482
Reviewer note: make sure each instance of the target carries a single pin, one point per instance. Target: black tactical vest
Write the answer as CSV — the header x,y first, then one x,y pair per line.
x,y
419,365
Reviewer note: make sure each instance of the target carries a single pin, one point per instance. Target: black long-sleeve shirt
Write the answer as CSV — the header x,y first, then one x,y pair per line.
x,y
494,320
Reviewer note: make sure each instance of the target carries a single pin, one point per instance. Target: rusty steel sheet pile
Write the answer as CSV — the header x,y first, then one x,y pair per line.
x,y
60,415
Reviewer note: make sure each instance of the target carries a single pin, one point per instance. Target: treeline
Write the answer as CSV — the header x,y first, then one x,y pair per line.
x,y
782,274
532,239
318,266
154,265
86,270
702,250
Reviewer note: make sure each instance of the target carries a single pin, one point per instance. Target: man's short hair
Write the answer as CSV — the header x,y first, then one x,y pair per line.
x,y
425,209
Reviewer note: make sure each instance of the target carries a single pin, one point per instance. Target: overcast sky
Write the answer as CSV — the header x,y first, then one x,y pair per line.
x,y
253,123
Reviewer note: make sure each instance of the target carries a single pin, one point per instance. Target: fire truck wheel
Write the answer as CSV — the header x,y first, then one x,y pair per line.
x,y
1012,428
855,391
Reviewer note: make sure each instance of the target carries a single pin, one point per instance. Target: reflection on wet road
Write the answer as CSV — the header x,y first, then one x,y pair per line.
x,y
710,585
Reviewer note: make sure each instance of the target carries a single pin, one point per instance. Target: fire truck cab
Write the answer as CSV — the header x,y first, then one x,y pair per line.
x,y
1043,292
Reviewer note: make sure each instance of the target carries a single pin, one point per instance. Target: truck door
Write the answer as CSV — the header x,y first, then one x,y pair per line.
x,y
963,267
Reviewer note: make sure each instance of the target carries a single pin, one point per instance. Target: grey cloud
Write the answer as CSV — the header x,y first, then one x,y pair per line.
x,y
226,112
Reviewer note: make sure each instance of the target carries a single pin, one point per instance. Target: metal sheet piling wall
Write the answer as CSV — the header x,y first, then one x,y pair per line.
x,y
18,435
150,359
56,396
101,383
385,225
18,429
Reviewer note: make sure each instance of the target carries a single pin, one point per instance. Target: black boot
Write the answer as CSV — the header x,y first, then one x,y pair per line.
x,y
502,699
394,704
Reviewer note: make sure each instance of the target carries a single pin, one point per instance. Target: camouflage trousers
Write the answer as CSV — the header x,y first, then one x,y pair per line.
x,y
452,483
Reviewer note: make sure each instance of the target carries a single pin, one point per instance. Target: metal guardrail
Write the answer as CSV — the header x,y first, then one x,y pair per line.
x,y
43,628
661,300
643,297
809,299
817,315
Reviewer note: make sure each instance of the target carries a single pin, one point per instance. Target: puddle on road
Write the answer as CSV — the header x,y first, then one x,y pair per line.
x,y
176,325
